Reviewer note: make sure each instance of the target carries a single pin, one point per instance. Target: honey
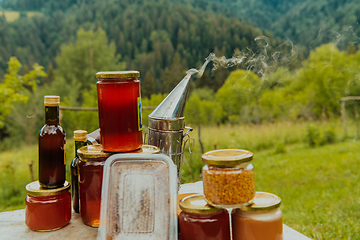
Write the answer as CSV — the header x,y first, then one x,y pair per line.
x,y
199,221
119,104
261,220
47,209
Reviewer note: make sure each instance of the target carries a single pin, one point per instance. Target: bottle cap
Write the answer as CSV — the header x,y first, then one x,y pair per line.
x,y
80,135
34,189
117,74
227,157
196,204
263,201
52,101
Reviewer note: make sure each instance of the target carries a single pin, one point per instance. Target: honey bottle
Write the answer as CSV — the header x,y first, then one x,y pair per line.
x,y
52,146
80,137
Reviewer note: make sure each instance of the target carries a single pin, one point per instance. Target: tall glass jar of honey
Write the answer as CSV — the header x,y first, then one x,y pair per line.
x,y
119,103
261,220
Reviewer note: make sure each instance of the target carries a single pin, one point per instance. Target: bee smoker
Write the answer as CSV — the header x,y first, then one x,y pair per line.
x,y
167,125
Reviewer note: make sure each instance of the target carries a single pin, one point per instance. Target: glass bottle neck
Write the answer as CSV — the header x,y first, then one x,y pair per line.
x,y
52,115
79,144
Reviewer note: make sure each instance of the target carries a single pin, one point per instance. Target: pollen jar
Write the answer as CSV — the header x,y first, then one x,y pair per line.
x,y
228,178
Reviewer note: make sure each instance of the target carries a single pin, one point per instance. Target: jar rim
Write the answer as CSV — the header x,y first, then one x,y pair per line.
x,y
263,201
34,189
227,157
117,74
196,204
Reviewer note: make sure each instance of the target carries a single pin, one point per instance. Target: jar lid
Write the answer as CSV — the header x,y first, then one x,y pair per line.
x,y
34,189
80,135
263,201
52,101
91,152
196,204
147,149
225,157
118,74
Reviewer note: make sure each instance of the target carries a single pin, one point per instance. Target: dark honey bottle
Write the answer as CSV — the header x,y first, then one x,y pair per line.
x,y
52,145
80,137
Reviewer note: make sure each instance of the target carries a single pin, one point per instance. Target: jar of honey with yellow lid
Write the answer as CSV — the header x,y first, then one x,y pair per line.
x,y
228,178
261,220
200,221
47,209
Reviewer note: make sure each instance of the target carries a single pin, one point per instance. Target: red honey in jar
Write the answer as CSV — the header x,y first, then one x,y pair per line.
x,y
261,220
119,103
200,221
91,167
47,209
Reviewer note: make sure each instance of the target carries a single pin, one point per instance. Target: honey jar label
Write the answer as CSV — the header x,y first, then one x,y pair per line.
x,y
139,113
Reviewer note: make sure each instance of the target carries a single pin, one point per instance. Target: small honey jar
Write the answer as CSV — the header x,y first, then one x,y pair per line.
x,y
261,220
47,209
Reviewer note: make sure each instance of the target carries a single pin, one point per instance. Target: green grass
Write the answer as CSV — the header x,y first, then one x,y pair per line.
x,y
12,16
318,185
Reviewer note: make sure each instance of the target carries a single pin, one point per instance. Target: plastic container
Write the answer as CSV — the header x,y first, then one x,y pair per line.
x,y
91,165
199,221
47,209
119,104
228,178
139,198
261,220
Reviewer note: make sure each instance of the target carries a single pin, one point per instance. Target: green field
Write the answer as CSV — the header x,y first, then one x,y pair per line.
x,y
318,185
12,16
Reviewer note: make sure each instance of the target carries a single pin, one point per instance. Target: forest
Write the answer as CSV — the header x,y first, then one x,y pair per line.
x,y
60,49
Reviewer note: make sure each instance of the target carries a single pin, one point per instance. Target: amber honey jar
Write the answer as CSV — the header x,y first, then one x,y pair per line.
x,y
261,220
119,103
200,221
228,178
47,209
90,174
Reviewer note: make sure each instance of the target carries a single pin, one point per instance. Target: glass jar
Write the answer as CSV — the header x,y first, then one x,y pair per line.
x,y
199,221
119,104
90,167
228,178
47,209
90,175
261,220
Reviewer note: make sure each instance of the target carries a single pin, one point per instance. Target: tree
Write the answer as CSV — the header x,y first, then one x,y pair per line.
x,y
78,63
14,85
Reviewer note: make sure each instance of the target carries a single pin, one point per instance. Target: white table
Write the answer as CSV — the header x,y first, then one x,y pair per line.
x,y
12,225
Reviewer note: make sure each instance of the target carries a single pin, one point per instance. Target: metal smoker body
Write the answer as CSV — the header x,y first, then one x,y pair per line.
x,y
167,125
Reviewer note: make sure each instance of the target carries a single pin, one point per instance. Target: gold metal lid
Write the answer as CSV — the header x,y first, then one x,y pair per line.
x,y
196,204
226,157
263,201
92,152
80,135
148,149
52,101
34,189
117,74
